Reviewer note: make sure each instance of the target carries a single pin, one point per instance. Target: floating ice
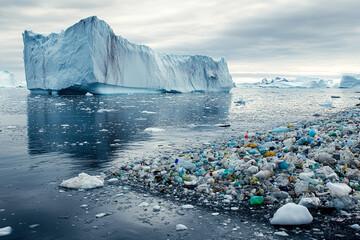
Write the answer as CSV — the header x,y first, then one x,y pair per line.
x,y
83,181
299,82
156,208
281,233
181,227
326,104
350,81
100,215
7,80
89,57
5,231
291,214
187,206
154,130
143,204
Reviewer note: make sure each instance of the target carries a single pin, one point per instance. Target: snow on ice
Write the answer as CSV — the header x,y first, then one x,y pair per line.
x,y
83,181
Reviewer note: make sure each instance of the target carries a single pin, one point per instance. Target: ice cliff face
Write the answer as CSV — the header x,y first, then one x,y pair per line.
x,y
7,79
348,81
89,57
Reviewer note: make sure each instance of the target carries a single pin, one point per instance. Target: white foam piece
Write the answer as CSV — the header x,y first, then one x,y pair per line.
x,y
83,181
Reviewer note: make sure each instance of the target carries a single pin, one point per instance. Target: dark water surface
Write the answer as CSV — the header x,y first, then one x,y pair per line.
x,y
46,139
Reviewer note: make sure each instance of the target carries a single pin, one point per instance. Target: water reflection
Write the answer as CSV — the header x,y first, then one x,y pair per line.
x,y
93,128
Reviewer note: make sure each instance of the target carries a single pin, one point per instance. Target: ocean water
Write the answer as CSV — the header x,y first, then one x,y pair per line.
x,y
46,139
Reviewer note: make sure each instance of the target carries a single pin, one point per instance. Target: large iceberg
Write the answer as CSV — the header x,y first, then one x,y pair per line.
x,y
350,81
7,79
89,57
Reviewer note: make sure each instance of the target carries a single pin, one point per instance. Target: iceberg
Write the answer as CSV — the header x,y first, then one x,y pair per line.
x,y
299,82
7,79
89,57
350,81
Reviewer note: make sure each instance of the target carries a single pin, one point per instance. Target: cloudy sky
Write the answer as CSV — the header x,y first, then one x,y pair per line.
x,y
257,37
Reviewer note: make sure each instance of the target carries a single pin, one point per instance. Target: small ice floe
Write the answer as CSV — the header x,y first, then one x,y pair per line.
x,y
2,209
292,214
326,104
84,206
214,214
105,110
5,231
154,130
103,130
113,180
100,215
34,225
60,104
148,112
181,227
234,208
156,208
281,233
143,204
65,125
187,206
83,181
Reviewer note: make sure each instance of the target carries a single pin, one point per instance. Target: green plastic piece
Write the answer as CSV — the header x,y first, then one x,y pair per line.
x,y
256,200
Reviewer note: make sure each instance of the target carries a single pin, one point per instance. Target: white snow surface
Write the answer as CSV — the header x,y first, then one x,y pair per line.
x,y
350,81
83,181
7,80
89,57
291,214
5,231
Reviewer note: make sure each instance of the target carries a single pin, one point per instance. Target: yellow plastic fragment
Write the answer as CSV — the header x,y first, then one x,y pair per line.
x,y
269,154
252,145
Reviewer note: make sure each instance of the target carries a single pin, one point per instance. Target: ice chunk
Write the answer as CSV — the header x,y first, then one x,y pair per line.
x,y
154,130
291,214
5,231
282,233
299,82
7,79
338,190
156,208
326,104
350,81
187,206
100,215
181,227
83,181
89,57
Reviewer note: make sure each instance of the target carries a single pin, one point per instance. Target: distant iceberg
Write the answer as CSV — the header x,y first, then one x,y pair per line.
x,y
299,82
350,81
7,80
89,57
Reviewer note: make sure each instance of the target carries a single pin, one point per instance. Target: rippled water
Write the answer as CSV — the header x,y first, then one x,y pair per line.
x,y
45,139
